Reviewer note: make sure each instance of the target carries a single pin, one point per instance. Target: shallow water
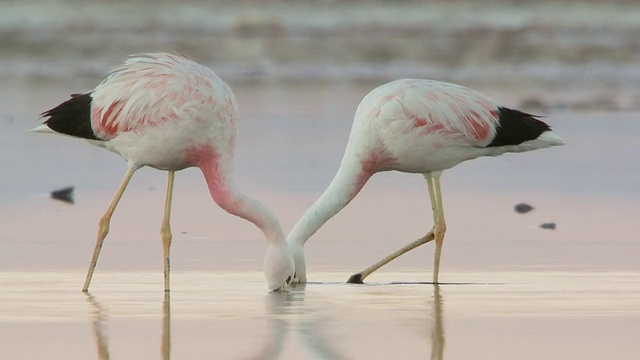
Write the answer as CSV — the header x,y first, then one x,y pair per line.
x,y
228,315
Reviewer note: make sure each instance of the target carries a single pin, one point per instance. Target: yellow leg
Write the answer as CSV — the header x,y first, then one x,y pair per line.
x,y
439,229
165,231
103,226
358,278
434,202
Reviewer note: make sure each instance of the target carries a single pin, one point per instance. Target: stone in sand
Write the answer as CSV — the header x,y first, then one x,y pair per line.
x,y
548,226
65,195
522,208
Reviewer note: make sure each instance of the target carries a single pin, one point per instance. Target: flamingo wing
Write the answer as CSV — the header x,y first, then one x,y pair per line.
x,y
427,107
148,90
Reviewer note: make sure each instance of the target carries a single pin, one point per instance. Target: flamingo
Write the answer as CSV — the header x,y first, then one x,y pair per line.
x,y
170,113
418,127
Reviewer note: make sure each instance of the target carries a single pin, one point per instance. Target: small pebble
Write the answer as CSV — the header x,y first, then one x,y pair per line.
x,y
522,208
65,195
549,226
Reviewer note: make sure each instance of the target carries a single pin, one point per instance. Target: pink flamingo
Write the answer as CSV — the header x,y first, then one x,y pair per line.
x,y
419,127
169,113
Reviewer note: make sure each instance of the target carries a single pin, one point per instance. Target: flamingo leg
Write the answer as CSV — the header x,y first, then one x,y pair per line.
x,y
439,227
165,231
432,197
358,278
103,226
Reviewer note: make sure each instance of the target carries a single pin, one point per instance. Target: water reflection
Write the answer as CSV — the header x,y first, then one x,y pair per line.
x,y
166,327
276,304
437,328
98,325
287,314
290,323
100,317
229,316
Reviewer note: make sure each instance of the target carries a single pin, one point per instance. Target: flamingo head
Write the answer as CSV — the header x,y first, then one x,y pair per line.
x,y
278,267
297,251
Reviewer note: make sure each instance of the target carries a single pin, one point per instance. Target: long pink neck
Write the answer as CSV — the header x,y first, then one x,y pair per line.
x,y
347,183
226,195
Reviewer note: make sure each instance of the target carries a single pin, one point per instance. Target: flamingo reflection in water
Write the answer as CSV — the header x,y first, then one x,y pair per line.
x,y
437,327
100,318
307,329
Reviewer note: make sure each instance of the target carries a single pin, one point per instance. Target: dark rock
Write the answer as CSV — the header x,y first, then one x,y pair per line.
x,y
522,208
548,226
65,195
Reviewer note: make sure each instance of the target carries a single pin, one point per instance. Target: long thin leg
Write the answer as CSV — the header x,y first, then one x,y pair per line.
x,y
103,226
438,231
165,231
432,197
359,277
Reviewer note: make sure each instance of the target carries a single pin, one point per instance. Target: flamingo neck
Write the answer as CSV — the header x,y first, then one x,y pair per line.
x,y
346,184
225,193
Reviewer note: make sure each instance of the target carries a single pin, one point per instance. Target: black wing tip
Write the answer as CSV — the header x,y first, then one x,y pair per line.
x,y
72,117
515,127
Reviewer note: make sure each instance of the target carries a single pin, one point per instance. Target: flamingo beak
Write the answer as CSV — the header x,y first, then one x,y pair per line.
x,y
284,286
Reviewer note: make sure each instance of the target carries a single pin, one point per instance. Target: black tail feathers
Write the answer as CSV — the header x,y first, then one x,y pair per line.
x,y
72,117
516,127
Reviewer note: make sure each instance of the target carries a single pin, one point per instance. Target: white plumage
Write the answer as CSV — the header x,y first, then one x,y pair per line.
x,y
424,127
170,113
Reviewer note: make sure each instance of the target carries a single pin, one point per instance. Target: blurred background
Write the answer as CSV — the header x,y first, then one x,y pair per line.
x,y
575,53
